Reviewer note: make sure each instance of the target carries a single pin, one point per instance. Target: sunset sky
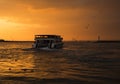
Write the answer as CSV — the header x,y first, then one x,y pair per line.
x,y
73,19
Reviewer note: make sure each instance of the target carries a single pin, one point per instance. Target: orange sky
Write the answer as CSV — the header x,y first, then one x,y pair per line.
x,y
73,19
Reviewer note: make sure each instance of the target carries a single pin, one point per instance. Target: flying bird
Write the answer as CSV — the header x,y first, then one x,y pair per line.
x,y
87,27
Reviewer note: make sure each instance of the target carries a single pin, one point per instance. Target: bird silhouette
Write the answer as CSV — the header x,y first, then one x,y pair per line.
x,y
87,27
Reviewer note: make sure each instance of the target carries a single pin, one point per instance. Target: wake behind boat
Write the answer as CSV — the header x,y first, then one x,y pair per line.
x,y
48,42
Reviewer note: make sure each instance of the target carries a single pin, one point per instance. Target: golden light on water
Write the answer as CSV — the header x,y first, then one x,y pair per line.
x,y
12,65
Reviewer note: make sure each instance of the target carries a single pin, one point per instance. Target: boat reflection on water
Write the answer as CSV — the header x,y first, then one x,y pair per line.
x,y
38,64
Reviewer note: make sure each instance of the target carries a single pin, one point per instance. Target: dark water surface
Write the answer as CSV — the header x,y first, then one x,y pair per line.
x,y
77,63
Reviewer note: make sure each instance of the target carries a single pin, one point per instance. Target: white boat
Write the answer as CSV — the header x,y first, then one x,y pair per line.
x,y
48,42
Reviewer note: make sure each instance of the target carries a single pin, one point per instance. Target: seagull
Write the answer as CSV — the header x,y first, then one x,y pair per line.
x,y
87,26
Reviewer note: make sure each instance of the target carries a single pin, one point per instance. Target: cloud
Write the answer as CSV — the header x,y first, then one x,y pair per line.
x,y
38,4
101,6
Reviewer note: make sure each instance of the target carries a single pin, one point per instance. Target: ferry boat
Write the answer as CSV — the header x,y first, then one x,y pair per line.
x,y
48,42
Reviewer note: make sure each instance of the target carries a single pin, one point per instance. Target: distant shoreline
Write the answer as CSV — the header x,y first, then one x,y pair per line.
x,y
105,41
102,41
16,41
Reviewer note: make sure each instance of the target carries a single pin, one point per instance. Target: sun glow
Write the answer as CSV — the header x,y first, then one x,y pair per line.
x,y
13,30
7,23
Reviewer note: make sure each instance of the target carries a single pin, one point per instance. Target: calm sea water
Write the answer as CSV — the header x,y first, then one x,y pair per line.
x,y
76,63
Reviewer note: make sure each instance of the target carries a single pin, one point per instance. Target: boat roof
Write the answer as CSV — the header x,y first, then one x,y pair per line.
x,y
43,37
47,35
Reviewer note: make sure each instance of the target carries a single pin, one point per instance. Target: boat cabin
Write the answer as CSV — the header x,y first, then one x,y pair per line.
x,y
48,41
